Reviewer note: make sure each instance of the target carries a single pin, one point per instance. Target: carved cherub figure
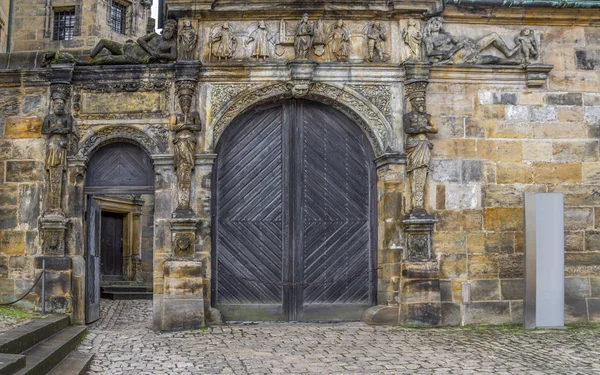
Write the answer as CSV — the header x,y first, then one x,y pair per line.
x,y
187,40
528,46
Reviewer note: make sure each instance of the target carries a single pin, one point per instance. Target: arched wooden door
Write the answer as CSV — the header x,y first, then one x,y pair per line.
x,y
294,234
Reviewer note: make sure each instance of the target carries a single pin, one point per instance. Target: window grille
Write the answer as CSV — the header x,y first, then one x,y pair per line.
x,y
117,17
64,24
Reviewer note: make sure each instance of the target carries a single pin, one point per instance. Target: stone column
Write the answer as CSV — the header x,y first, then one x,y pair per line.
x,y
60,143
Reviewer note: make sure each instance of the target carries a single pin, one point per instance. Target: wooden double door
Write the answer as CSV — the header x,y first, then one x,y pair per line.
x,y
294,210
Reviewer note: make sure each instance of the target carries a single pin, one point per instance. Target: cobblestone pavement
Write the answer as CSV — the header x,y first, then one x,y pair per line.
x,y
124,343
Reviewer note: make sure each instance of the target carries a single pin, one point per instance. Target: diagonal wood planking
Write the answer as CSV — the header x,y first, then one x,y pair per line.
x,y
325,158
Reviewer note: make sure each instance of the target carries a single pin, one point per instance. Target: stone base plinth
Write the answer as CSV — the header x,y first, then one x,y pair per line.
x,y
58,283
183,236
53,228
418,228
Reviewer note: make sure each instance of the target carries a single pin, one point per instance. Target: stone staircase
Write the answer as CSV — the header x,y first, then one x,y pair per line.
x,y
43,346
121,290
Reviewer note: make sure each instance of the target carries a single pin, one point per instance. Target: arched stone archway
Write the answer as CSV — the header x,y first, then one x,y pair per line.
x,y
348,101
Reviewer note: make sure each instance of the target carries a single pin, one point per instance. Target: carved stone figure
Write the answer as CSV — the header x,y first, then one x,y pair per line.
x,y
151,48
223,43
319,39
376,38
417,124
528,46
57,126
442,47
412,38
187,41
185,128
339,41
261,38
303,39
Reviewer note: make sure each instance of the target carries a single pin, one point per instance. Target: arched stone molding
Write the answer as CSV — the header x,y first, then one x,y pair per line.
x,y
129,134
358,108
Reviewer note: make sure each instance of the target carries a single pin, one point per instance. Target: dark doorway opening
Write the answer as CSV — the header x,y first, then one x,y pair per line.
x,y
111,246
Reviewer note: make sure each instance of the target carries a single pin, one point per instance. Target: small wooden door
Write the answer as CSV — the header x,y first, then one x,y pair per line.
x,y
112,246
92,263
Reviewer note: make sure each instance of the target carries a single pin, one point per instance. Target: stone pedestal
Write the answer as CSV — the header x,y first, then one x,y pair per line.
x,y
59,298
183,304
420,298
183,236
53,228
418,228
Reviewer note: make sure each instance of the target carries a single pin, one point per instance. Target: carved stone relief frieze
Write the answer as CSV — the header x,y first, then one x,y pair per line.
x,y
358,108
413,39
376,37
261,39
223,42
379,95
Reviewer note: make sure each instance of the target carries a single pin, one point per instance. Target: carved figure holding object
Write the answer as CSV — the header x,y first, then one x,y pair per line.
x,y
223,43
339,41
187,40
261,38
412,38
376,38
304,38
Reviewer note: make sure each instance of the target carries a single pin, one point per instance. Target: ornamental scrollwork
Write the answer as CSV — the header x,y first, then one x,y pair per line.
x,y
120,133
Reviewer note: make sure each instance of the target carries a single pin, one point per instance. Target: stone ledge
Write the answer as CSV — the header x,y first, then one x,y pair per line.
x,y
534,75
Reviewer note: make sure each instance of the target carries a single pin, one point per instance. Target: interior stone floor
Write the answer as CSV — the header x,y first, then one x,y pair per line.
x,y
124,343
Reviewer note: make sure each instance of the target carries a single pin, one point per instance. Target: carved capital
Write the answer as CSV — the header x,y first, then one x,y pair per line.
x,y
186,92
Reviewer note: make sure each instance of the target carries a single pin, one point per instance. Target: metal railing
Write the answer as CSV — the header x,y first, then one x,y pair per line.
x,y
42,277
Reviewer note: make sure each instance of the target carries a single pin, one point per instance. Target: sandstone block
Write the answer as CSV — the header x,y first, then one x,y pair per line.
x,y
8,218
429,314
455,148
592,241
591,173
475,242
7,290
595,286
8,196
573,151
446,170
499,242
24,171
574,241
573,98
451,127
449,242
12,242
516,312
579,218
521,129
531,98
576,310
483,266
591,99
485,290
512,289
461,196
472,171
582,264
487,313
29,204
474,128
503,219
570,114
451,315
453,266
577,287
557,173
593,309
420,291
510,173
28,149
507,195
500,150
512,266
23,127
592,114
446,290
557,130
578,195
440,197
20,267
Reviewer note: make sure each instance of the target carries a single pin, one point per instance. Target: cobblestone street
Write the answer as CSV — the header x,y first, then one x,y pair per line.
x,y
124,343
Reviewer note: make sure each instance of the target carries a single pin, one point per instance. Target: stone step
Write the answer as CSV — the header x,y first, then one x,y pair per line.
x,y
43,357
124,288
76,363
23,337
127,295
11,363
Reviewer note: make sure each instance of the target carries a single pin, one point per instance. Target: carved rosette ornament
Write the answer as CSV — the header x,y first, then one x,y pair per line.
x,y
185,126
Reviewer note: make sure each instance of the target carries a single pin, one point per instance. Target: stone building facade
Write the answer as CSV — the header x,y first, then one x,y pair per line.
x,y
314,161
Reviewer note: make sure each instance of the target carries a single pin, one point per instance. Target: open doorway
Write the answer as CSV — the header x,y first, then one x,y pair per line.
x,y
119,226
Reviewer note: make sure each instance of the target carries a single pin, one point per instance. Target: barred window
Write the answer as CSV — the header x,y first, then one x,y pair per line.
x,y
64,24
117,17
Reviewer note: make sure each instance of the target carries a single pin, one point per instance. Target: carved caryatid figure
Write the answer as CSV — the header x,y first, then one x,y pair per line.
x,y
442,47
151,48
57,127
223,42
261,38
185,126
376,37
417,124
187,40
412,38
528,46
303,39
339,41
